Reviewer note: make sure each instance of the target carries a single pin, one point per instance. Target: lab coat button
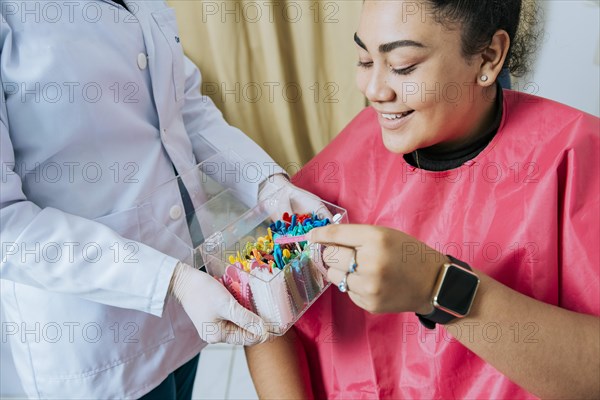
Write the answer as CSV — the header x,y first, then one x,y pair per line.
x,y
142,61
175,212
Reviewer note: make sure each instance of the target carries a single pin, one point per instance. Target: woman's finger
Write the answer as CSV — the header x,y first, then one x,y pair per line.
x,y
342,235
338,257
353,282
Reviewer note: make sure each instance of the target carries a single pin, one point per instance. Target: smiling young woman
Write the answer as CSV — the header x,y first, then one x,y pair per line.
x,y
478,209
425,90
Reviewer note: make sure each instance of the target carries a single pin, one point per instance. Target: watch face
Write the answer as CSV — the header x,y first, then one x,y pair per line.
x,y
457,291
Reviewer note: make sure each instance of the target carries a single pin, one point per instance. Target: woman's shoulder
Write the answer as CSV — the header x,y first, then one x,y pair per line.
x,y
363,130
348,152
547,124
523,109
362,127
361,135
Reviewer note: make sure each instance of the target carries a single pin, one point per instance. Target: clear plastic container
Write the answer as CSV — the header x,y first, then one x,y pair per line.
x,y
281,297
222,215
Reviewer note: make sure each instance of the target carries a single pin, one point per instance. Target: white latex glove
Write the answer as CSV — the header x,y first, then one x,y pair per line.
x,y
291,198
216,314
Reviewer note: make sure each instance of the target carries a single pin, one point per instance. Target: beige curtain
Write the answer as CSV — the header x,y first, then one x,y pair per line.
x,y
282,71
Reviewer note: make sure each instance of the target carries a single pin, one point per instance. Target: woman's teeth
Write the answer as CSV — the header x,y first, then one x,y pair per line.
x,y
392,117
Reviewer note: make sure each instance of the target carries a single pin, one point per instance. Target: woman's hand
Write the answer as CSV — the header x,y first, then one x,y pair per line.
x,y
394,272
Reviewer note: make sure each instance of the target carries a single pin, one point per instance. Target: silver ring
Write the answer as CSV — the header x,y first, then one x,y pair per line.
x,y
352,266
343,285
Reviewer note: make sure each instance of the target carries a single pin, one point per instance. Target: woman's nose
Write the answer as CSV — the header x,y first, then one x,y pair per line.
x,y
378,90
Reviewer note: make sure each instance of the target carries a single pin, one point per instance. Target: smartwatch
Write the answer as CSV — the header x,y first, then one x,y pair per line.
x,y
453,294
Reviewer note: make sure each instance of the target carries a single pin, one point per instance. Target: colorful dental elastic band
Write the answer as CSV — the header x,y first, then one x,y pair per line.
x,y
281,260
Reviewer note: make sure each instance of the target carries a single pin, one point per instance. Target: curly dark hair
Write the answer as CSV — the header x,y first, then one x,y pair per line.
x,y
481,19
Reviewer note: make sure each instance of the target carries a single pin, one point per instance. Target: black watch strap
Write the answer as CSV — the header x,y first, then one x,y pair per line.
x,y
438,316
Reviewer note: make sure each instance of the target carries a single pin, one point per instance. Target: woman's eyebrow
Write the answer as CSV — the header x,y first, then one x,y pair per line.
x,y
359,42
387,47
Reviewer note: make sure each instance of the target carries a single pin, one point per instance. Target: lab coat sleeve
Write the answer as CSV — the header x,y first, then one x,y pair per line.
x,y
204,122
53,250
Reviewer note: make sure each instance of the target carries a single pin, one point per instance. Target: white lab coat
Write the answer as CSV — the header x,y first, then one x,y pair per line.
x,y
97,107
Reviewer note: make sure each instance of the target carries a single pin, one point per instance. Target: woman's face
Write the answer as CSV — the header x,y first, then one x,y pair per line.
x,y
412,70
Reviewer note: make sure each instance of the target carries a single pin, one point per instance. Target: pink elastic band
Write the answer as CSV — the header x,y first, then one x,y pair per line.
x,y
290,239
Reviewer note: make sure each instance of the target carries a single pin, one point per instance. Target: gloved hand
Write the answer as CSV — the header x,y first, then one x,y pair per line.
x,y
216,314
290,198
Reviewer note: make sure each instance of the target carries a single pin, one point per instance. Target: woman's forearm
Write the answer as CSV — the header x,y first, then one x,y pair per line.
x,y
279,368
549,351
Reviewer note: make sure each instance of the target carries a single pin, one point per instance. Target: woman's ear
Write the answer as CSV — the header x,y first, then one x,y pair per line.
x,y
493,57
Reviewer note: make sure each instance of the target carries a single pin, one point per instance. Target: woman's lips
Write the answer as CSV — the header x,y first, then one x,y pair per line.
x,y
391,121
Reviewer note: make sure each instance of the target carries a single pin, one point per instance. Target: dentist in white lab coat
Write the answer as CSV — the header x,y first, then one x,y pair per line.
x,y
99,106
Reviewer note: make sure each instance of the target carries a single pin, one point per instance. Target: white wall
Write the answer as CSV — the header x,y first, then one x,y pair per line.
x,y
567,68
